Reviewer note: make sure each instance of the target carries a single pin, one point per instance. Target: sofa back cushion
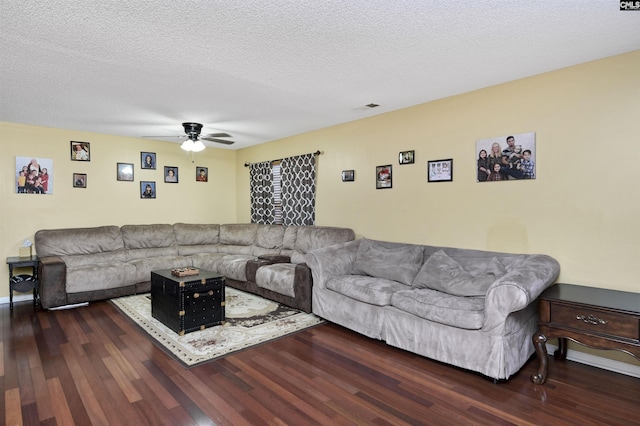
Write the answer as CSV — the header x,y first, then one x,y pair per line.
x,y
444,273
392,261
195,238
81,246
238,234
79,241
314,237
142,241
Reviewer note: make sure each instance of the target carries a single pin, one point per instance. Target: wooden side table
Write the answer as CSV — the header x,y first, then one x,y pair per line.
x,y
23,286
593,317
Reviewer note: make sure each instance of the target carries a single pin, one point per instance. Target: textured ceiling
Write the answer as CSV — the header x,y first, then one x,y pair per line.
x,y
262,70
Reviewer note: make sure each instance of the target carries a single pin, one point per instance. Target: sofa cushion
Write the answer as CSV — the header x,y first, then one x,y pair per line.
x,y
375,291
238,234
65,242
233,266
270,236
144,241
100,276
278,277
443,273
397,262
196,238
432,305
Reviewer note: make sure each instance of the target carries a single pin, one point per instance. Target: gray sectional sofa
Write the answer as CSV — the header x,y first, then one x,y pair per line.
x,y
86,264
470,308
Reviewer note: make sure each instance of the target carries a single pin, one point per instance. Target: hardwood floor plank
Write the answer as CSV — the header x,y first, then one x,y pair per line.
x,y
12,407
60,406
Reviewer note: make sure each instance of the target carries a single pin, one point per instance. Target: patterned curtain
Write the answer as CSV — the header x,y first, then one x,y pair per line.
x,y
261,189
299,190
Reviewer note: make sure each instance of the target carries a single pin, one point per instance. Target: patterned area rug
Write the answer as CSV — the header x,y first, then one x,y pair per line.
x,y
250,320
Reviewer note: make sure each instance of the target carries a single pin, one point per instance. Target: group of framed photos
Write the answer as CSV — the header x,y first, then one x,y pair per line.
x,y
81,151
437,171
500,158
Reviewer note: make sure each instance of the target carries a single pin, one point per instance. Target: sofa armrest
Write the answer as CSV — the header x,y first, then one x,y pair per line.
x,y
518,289
331,261
52,278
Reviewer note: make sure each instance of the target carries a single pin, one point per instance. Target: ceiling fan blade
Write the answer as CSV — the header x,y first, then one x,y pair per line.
x,y
217,135
165,136
217,140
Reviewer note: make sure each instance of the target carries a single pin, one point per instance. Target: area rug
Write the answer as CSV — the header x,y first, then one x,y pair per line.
x,y
250,320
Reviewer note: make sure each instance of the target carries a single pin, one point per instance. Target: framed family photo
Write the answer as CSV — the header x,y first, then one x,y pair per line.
x,y
170,174
80,151
79,180
440,170
34,175
384,178
125,172
510,157
147,189
202,174
348,175
407,157
148,160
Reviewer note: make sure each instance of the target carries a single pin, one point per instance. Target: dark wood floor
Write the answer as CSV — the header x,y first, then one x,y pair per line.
x,y
90,365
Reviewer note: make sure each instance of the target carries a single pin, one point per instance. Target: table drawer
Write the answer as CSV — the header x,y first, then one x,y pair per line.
x,y
597,321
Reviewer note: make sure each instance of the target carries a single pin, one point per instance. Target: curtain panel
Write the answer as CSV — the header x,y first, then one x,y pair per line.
x,y
261,190
299,190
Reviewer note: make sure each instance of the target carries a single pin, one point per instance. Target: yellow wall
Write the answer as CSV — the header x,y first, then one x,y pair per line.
x,y
107,201
582,209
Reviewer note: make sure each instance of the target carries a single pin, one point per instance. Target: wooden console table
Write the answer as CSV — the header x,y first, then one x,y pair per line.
x,y
594,317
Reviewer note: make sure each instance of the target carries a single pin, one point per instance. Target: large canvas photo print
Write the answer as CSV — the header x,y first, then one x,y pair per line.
x,y
34,175
509,157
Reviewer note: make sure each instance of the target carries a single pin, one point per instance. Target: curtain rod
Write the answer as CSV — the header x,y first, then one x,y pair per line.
x,y
247,164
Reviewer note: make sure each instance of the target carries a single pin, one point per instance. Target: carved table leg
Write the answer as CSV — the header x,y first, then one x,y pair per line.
x,y
561,352
539,341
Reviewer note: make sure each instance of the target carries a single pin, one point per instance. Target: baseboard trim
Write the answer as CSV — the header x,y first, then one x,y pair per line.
x,y
572,355
599,362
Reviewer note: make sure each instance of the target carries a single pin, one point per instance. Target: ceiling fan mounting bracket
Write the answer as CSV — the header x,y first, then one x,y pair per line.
x,y
192,130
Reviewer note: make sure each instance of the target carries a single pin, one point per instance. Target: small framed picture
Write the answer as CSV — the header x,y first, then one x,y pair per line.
x,y
79,180
348,175
170,174
440,170
147,189
407,157
384,177
80,151
148,160
202,174
125,172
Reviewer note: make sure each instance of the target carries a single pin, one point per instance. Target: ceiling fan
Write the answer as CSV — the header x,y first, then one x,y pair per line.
x,y
193,140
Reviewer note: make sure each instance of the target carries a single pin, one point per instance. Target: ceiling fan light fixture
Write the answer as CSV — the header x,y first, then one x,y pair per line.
x,y
188,145
198,146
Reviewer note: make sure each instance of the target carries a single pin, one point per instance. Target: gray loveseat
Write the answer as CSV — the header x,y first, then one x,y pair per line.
x,y
86,264
470,308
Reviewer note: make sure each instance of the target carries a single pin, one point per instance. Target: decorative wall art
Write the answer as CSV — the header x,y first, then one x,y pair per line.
x,y
407,157
148,160
80,151
34,175
440,170
125,172
511,157
147,189
79,180
384,177
170,174
348,175
202,174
